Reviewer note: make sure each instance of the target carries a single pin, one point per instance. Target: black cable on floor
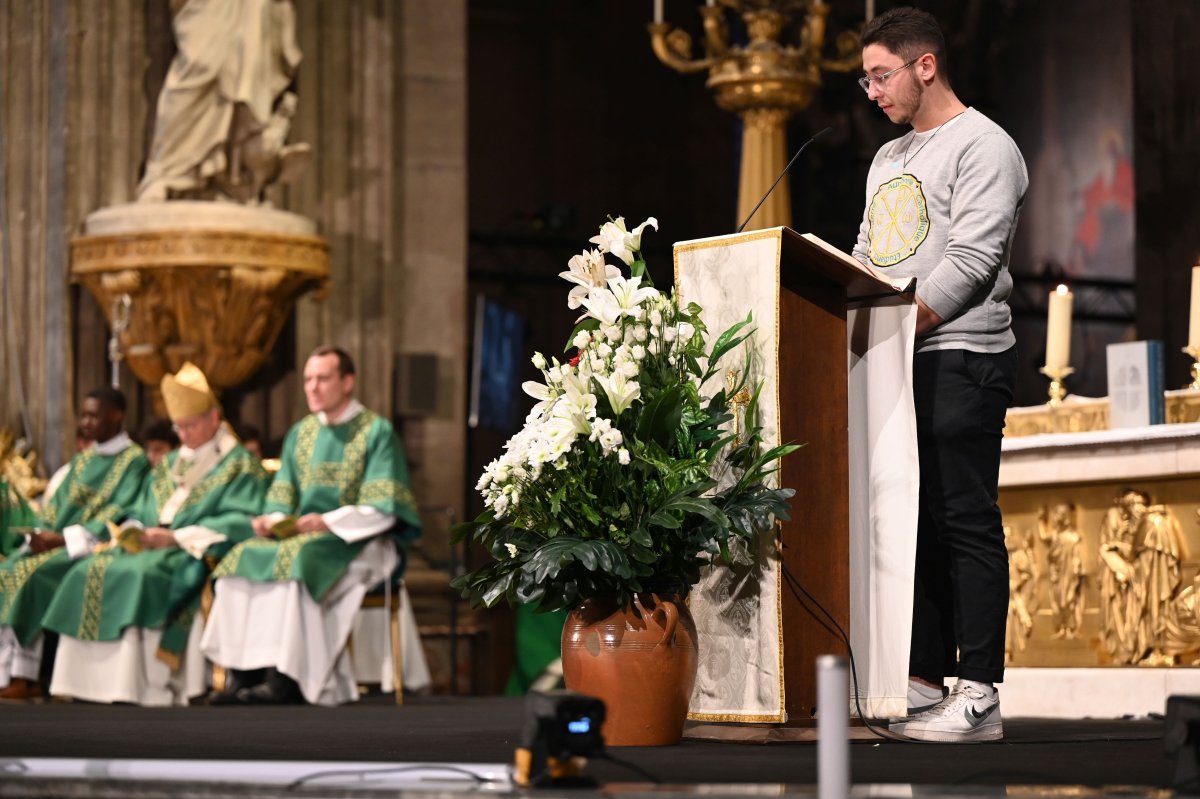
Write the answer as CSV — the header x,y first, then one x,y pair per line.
x,y
363,773
795,584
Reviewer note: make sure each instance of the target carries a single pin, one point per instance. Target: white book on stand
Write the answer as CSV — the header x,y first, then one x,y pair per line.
x,y
1135,384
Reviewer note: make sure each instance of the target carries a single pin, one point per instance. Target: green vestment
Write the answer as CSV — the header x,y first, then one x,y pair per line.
x,y
325,467
95,491
104,593
15,514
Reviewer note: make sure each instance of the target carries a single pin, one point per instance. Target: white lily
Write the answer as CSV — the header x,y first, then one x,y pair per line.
x,y
629,295
586,270
540,392
620,390
622,298
576,407
614,238
602,304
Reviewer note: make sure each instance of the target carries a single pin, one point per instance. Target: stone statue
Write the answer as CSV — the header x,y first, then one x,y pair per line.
x,y
226,107
1057,529
1021,597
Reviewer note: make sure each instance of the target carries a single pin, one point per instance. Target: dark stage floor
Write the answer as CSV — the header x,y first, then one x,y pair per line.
x,y
1093,753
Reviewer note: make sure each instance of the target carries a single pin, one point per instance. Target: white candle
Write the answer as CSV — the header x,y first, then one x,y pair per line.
x,y
658,10
1194,319
870,12
1058,329
710,3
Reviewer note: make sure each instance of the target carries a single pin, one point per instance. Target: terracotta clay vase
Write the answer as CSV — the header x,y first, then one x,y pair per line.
x,y
640,659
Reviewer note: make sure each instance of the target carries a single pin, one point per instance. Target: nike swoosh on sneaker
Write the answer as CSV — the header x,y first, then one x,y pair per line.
x,y
974,717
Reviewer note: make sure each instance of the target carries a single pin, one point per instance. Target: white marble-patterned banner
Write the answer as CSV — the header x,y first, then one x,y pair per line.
x,y
737,612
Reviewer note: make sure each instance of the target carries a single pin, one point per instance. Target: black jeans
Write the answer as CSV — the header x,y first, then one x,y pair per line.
x,y
960,602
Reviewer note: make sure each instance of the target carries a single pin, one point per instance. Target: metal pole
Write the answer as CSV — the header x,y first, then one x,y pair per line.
x,y
833,727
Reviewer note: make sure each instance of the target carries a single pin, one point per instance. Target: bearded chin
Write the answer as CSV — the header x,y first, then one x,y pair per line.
x,y
915,96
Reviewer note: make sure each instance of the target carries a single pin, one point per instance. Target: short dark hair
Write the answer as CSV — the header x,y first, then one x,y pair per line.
x,y
108,397
160,430
345,362
909,33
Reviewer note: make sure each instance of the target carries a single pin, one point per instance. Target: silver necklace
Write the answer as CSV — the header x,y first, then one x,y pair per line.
x,y
936,131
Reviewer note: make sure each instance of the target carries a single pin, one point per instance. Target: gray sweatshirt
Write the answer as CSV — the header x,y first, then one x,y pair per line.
x,y
942,207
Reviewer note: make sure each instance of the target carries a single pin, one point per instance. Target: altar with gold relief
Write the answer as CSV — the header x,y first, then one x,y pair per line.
x,y
1103,532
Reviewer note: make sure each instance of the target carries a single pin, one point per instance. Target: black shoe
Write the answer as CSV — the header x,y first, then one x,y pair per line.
x,y
235,682
277,689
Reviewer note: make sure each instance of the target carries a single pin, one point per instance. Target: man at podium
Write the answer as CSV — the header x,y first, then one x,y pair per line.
x,y
941,205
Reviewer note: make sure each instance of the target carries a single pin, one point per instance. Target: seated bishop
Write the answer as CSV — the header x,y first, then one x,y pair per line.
x,y
337,518
100,481
127,615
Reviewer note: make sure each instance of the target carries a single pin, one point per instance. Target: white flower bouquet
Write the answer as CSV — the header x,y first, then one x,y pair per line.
x,y
623,478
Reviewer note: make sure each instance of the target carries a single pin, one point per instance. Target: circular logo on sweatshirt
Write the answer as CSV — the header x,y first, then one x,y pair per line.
x,y
899,221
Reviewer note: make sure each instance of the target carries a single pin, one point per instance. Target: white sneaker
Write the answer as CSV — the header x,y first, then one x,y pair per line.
x,y
920,698
924,697
970,713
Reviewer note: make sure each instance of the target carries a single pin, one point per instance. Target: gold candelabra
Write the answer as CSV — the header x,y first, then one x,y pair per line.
x,y
1193,351
1058,389
764,82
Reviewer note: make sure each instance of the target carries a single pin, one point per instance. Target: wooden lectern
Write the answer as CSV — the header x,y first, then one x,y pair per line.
x,y
814,284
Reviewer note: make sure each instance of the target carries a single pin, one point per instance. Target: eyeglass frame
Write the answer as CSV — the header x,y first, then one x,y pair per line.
x,y
866,80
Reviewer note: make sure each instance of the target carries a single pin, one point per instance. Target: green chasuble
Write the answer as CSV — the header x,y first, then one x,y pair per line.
x,y
15,514
104,593
325,467
97,489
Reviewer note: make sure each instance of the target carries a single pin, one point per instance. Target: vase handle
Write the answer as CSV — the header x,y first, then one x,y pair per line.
x,y
671,613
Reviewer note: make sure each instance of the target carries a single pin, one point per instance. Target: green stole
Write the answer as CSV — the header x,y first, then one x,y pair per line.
x,y
94,492
107,592
325,467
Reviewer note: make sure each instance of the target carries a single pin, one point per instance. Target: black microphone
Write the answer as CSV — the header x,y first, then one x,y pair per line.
x,y
816,136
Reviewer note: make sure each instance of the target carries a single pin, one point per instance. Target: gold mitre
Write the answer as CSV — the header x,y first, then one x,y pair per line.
x,y
186,393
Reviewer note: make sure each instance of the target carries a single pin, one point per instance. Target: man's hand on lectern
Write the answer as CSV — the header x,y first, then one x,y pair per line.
x,y
926,318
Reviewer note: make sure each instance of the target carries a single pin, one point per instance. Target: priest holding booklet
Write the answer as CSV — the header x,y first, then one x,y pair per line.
x,y
334,516
128,614
941,205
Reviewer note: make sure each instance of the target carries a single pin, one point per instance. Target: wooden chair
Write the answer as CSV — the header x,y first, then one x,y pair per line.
x,y
387,595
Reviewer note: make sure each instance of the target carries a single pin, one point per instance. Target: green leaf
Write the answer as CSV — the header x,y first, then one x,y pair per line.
x,y
665,519
660,416
728,340
641,536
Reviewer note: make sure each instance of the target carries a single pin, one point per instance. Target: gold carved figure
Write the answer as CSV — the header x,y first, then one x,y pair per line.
x,y
1145,608
1058,530
1021,597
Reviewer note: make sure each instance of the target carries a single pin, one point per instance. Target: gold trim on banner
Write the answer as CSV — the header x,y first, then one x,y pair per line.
x,y
766,719
725,241
779,578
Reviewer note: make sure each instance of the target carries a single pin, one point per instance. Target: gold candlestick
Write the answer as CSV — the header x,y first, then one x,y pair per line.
x,y
1194,352
1058,390
765,81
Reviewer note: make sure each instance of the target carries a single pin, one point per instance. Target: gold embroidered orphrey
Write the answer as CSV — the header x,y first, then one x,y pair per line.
x,y
899,221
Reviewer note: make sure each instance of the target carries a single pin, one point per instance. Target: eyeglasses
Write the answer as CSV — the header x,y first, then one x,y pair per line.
x,y
879,80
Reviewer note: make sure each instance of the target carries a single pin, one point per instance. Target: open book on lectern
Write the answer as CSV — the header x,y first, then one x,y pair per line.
x,y
901,285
